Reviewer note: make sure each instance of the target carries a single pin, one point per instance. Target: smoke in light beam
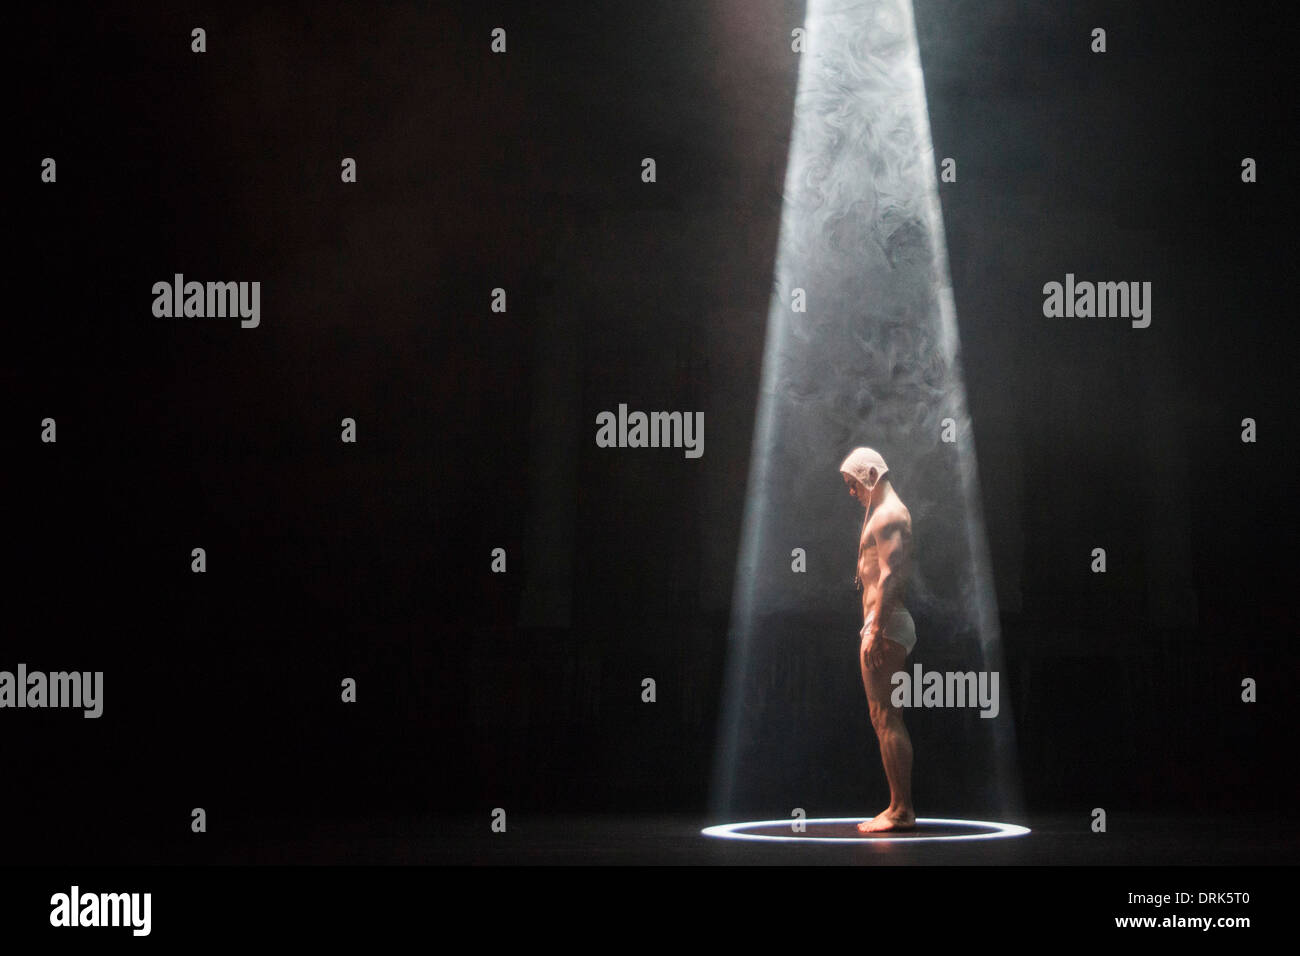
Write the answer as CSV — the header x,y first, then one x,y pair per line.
x,y
872,361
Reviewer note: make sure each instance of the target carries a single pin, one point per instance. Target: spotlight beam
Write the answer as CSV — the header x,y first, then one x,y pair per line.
x,y
862,349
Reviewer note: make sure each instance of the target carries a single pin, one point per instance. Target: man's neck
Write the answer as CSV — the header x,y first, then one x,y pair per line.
x,y
879,494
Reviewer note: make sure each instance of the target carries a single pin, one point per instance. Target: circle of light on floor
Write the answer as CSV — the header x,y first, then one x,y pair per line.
x,y
990,831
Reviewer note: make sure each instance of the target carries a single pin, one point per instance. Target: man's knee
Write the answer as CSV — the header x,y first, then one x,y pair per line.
x,y
885,717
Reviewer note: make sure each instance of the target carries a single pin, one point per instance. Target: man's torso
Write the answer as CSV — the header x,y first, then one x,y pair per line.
x,y
889,517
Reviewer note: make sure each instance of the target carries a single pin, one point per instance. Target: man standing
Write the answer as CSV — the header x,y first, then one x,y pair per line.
x,y
888,633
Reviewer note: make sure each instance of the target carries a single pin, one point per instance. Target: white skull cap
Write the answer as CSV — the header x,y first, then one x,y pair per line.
x,y
860,460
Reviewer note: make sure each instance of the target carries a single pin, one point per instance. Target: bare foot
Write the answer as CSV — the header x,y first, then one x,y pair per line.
x,y
889,820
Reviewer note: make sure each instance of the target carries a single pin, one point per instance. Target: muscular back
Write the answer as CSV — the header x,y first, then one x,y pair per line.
x,y
885,550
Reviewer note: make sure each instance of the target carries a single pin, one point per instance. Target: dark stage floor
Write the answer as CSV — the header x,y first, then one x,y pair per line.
x,y
1142,840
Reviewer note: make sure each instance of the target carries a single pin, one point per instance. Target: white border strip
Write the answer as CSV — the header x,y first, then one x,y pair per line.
x,y
730,831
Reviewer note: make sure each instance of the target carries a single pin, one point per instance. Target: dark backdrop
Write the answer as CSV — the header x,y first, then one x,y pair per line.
x,y
477,429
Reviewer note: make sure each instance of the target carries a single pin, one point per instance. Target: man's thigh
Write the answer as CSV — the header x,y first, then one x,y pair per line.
x,y
878,679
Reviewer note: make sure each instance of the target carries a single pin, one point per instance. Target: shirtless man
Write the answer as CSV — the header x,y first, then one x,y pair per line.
x,y
888,633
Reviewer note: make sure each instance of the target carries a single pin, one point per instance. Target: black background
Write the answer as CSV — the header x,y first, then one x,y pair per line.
x,y
371,560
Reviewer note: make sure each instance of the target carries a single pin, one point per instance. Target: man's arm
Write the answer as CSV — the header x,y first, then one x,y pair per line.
x,y
893,550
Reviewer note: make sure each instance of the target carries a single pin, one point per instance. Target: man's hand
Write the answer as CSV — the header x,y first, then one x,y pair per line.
x,y
874,648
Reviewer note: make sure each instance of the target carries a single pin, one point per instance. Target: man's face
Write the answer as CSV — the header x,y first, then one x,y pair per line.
x,y
857,489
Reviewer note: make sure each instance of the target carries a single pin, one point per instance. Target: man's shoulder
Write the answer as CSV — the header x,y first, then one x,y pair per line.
x,y
892,514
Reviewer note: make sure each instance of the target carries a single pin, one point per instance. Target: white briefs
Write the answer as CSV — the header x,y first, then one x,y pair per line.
x,y
901,629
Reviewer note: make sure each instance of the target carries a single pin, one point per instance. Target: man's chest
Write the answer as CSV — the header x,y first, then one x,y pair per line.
x,y
867,550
